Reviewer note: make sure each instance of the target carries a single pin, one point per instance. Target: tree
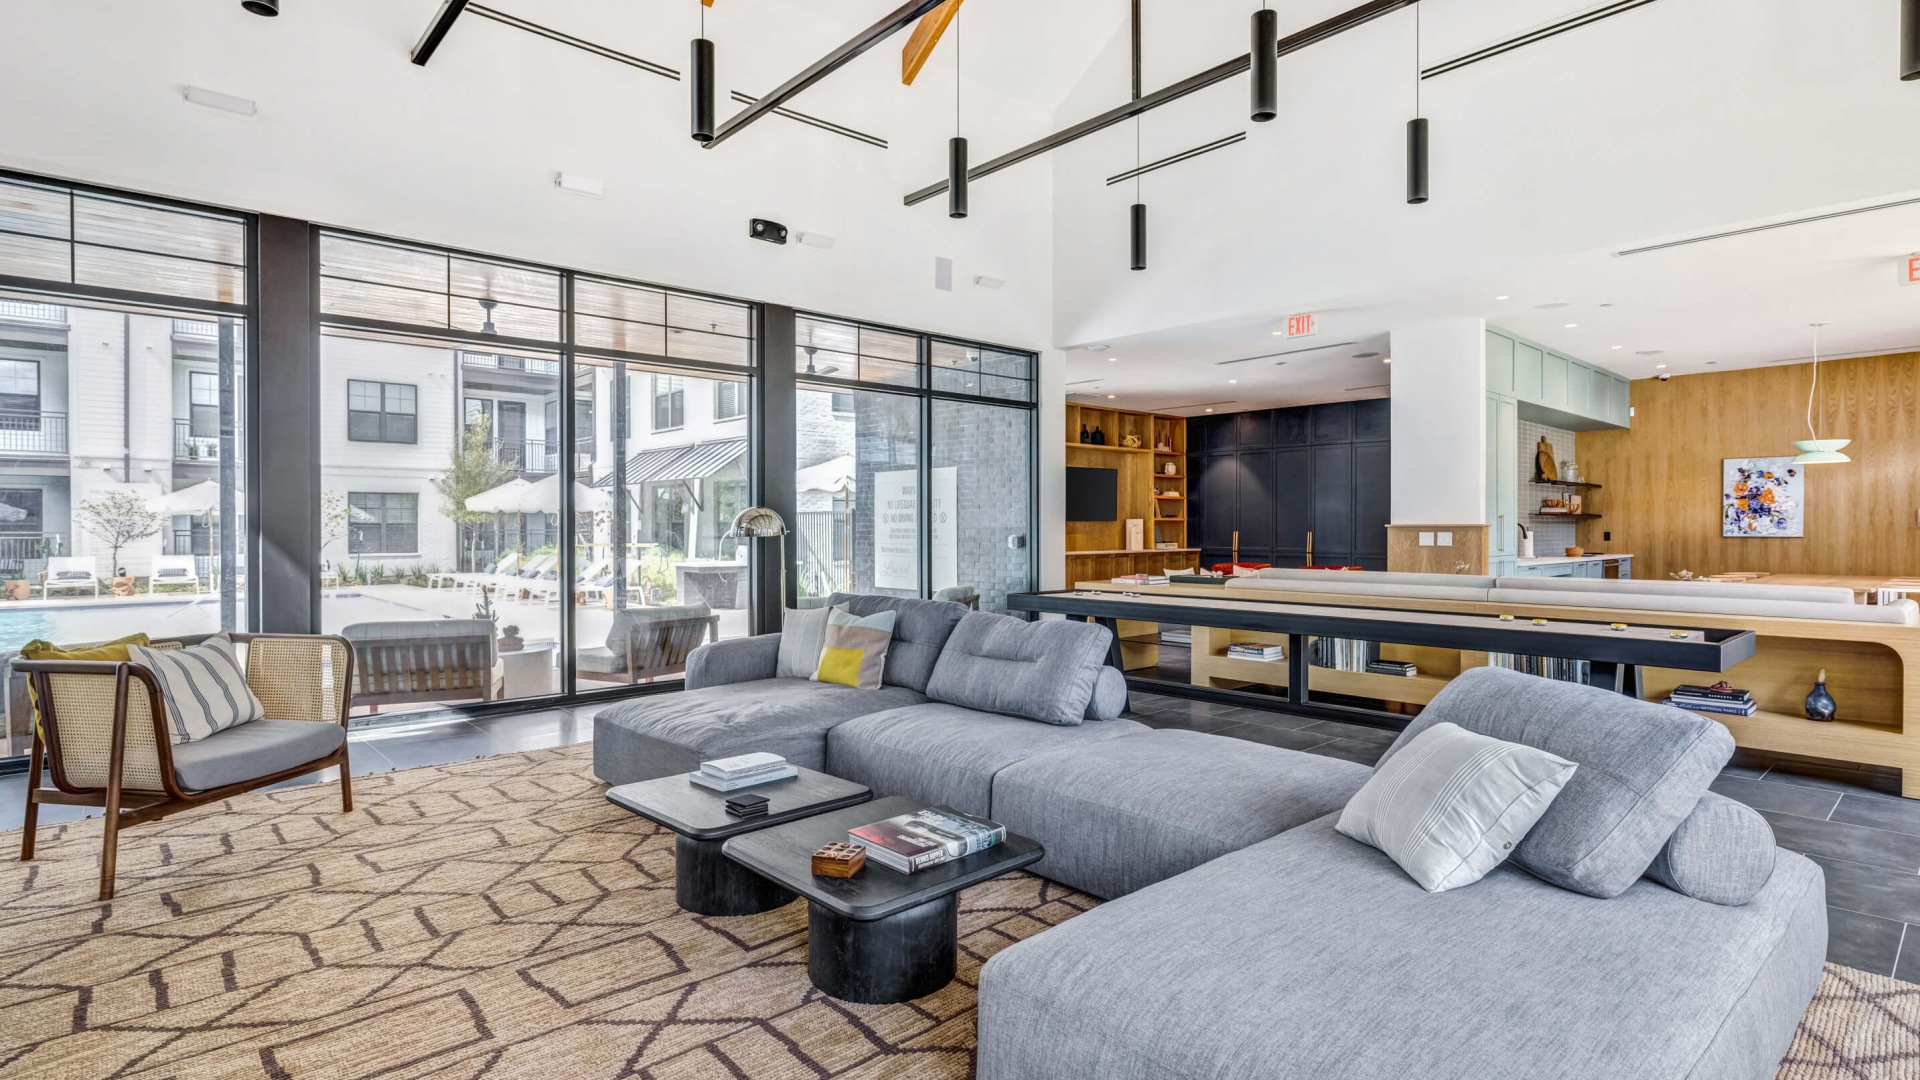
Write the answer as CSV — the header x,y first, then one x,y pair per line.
x,y
118,518
472,468
334,516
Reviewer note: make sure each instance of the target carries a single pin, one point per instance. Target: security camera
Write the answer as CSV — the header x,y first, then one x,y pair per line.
x,y
1663,376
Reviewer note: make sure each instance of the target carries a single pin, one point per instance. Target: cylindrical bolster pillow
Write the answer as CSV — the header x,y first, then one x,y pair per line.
x,y
1722,853
1109,695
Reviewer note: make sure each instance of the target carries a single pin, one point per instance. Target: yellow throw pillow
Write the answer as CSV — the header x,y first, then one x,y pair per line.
x,y
106,650
840,665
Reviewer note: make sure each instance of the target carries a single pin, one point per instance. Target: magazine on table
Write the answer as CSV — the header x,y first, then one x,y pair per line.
x,y
924,838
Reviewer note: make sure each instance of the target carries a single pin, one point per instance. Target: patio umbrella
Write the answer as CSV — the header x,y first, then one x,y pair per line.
x,y
543,497
194,501
508,498
11,513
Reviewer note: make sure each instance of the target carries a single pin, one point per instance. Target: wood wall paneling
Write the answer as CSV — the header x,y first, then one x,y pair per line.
x,y
1663,475
1468,555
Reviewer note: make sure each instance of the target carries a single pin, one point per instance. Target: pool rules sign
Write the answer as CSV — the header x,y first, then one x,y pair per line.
x,y
896,529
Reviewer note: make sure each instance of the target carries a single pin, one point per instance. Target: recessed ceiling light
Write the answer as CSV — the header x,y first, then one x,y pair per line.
x,y
1552,304
1230,382
1710,363
1111,359
1386,359
1209,410
1503,298
1098,348
1649,352
1617,348
1573,326
1658,366
1276,333
1109,397
1365,355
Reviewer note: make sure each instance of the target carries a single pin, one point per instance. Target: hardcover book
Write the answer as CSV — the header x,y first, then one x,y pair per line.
x,y
915,841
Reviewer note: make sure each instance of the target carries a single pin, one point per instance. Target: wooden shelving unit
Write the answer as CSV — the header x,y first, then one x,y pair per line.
x,y
1096,550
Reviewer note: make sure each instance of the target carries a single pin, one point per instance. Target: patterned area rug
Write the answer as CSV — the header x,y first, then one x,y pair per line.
x,y
498,918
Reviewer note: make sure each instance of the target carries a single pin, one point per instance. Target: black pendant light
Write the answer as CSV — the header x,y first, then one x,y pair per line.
x,y
1139,212
702,66
1266,65
956,146
268,8
1416,129
1909,40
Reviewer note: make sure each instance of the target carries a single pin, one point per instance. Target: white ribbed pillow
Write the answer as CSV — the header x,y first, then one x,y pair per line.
x,y
204,687
1452,804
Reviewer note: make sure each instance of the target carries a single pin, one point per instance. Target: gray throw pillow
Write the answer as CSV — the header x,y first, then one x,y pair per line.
x,y
1109,698
1642,769
1452,805
1042,671
1722,853
803,634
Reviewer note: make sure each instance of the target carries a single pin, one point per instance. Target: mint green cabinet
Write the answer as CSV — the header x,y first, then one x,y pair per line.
x,y
1499,363
1503,477
1579,388
1553,388
1553,381
1526,371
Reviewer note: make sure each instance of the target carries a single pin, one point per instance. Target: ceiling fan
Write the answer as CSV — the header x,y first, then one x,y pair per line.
x,y
811,370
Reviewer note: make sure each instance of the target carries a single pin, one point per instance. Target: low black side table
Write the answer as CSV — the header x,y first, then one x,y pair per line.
x,y
705,881
880,936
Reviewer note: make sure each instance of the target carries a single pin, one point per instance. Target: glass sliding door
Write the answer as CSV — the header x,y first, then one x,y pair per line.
x,y
979,508
860,508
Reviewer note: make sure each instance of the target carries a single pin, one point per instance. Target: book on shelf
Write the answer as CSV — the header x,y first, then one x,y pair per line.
x,y
733,768
1727,708
1547,667
714,783
1708,693
1177,635
1392,667
1141,579
913,842
1341,654
1246,650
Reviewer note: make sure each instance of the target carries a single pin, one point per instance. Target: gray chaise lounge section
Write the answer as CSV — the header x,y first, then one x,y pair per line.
x,y
1311,956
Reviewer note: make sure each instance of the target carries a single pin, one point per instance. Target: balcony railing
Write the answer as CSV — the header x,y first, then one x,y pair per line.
x,y
190,447
31,432
195,328
536,456
21,309
531,364
24,554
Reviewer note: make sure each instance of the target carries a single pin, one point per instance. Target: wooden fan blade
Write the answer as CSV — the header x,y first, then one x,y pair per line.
x,y
926,35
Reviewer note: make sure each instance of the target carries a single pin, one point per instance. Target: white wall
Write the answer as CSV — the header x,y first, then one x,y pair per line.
x,y
1439,423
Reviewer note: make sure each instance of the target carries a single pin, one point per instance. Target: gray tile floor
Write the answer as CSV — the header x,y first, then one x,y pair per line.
x,y
1851,821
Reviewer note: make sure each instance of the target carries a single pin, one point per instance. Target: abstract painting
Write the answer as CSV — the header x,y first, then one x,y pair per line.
x,y
1762,497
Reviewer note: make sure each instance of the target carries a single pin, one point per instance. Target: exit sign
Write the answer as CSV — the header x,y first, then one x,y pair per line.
x,y
1308,325
1910,270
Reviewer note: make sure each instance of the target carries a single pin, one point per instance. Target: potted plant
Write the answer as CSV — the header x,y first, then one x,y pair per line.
x,y
123,582
510,640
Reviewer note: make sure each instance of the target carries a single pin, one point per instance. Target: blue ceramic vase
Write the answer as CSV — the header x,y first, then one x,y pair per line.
x,y
1820,704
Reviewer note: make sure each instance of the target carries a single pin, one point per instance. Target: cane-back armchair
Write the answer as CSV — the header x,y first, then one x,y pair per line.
x,y
102,736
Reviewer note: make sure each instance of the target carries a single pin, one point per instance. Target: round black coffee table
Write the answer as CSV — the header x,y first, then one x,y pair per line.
x,y
705,881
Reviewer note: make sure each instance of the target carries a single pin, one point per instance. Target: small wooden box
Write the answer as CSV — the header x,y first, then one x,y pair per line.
x,y
839,860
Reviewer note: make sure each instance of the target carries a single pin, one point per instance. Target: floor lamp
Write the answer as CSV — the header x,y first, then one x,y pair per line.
x,y
758,523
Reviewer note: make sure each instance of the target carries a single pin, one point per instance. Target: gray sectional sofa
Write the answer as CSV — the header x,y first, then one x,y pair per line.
x,y
1245,937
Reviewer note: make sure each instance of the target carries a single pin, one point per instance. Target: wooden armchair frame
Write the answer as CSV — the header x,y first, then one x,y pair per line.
x,y
666,654
127,805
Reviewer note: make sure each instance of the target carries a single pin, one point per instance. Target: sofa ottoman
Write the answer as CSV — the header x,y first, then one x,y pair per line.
x,y
947,754
667,734
1126,813
1311,956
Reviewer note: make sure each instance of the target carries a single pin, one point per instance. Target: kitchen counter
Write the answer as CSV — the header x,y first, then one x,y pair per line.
x,y
1562,560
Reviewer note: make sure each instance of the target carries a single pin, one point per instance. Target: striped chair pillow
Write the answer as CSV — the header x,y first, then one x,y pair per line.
x,y
204,687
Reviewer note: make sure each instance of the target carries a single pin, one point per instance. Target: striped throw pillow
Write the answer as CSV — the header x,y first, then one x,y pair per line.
x,y
204,687
1452,804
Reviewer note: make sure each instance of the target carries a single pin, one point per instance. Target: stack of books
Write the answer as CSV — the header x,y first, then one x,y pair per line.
x,y
1392,667
1342,654
913,842
734,773
1713,699
1142,579
1250,650
1547,667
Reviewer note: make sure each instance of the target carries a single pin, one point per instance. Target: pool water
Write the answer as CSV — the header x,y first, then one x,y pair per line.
x,y
103,622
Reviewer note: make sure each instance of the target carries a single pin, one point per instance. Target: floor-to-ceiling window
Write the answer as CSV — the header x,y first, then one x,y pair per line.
x,y
123,420
914,464
663,451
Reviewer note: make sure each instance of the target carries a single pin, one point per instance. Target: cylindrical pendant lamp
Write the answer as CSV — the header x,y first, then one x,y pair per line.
x,y
1139,236
702,90
1266,65
957,177
1417,160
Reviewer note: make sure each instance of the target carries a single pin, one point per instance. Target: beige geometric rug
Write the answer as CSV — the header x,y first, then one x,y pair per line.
x,y
499,918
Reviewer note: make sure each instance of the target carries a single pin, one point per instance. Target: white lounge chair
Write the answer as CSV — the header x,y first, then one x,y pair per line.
x,y
587,586
479,580
174,570
532,577
71,572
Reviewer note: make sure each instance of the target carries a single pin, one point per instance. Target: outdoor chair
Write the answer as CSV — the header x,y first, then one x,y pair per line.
x,y
173,570
479,581
960,594
70,572
532,577
587,586
104,739
646,643
419,660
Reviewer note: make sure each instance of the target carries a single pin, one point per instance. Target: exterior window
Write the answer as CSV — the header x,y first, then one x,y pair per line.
x,y
843,404
382,412
26,500
729,400
669,402
383,523
203,404
19,389
585,442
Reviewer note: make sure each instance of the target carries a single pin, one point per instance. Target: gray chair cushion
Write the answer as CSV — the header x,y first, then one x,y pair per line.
x,y
1310,956
1043,671
669,734
1642,768
1109,698
941,753
919,633
1126,813
1722,853
253,750
602,660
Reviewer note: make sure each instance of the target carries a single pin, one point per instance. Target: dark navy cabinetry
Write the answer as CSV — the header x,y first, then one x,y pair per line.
x,y
1278,475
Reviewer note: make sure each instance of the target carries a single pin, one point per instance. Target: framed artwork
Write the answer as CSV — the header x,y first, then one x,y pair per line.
x,y
1762,497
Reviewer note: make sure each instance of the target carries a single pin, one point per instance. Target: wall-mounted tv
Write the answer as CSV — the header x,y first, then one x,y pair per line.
x,y
1093,494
